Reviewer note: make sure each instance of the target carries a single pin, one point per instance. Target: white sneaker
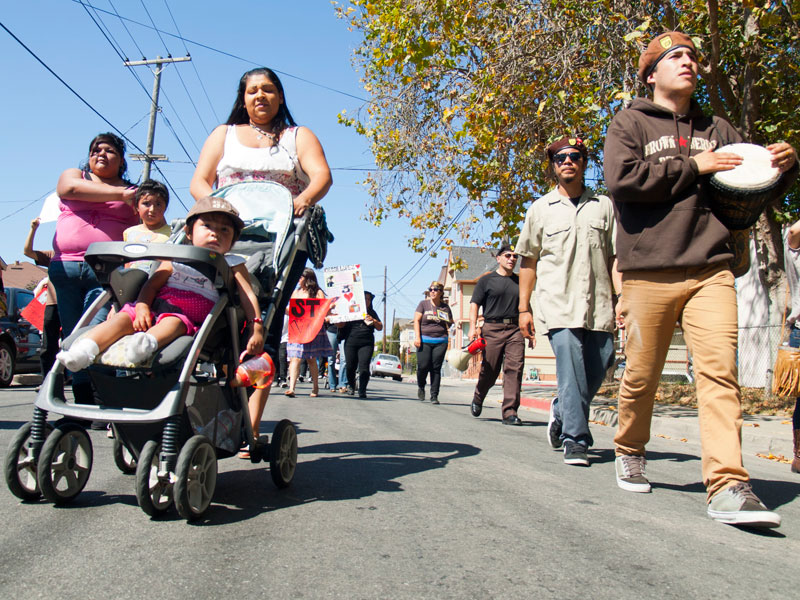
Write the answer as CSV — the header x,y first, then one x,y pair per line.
x,y
738,505
630,473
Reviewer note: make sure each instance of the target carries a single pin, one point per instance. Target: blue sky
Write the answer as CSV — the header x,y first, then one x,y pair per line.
x,y
46,128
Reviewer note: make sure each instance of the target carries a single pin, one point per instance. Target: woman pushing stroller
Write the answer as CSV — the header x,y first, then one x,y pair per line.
x,y
176,298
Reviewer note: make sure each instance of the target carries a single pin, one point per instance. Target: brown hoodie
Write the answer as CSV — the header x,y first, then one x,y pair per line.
x,y
661,203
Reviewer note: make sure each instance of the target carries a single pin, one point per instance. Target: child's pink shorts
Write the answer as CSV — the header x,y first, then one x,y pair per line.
x,y
191,308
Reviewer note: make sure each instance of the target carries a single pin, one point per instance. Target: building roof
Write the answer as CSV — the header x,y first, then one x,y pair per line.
x,y
477,260
403,323
23,275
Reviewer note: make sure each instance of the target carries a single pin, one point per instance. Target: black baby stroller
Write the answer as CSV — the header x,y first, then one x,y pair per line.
x,y
174,416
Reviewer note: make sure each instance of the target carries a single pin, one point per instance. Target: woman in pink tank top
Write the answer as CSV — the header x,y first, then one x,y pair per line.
x,y
265,144
96,206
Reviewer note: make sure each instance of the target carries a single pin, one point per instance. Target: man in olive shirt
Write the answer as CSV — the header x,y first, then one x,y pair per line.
x,y
498,293
567,249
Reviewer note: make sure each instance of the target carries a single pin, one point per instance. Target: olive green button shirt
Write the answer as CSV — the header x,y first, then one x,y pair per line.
x,y
573,248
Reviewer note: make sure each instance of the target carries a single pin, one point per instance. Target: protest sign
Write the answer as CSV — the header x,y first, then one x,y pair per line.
x,y
345,283
306,317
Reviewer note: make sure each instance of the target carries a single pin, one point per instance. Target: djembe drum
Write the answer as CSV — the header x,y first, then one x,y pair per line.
x,y
739,196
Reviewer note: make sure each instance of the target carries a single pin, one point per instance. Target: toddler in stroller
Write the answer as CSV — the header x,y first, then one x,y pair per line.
x,y
173,412
176,298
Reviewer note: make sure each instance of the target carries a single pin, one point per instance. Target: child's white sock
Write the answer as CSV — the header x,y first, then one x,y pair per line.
x,y
141,346
80,355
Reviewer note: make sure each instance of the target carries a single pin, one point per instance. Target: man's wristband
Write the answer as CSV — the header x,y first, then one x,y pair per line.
x,y
524,311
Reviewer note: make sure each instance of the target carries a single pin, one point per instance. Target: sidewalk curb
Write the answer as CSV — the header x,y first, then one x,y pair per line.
x,y
777,443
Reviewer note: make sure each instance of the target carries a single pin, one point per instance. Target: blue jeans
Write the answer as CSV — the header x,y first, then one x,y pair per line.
x,y
343,381
77,287
582,359
333,380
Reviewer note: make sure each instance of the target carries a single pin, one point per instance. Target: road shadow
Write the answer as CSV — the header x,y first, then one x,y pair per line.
x,y
525,423
337,471
606,455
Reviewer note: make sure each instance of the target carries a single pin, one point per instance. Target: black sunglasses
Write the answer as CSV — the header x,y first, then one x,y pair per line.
x,y
510,255
559,159
435,289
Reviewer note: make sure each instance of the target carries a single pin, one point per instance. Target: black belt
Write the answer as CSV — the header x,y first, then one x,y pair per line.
x,y
507,321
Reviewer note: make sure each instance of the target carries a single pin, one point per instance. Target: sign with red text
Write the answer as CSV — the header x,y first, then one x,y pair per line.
x,y
345,282
306,317
34,312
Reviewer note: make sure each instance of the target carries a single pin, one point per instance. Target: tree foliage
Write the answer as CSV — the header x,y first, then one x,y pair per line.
x,y
466,94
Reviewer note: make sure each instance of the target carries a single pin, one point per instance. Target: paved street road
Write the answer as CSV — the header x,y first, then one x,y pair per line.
x,y
398,499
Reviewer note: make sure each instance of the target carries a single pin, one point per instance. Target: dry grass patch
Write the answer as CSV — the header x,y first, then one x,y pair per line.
x,y
754,400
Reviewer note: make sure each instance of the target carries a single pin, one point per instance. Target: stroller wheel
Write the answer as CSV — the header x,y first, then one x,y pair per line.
x,y
65,463
124,458
283,454
20,467
153,494
195,477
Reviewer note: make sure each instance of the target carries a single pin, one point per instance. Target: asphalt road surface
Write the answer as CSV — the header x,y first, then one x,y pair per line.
x,y
394,498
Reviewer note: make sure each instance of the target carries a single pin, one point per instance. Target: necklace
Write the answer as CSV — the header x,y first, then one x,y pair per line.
x,y
263,133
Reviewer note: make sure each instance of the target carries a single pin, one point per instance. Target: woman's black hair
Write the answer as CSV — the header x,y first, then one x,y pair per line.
x,y
310,283
115,142
239,115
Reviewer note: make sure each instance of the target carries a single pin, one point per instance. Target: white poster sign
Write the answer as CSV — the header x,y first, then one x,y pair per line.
x,y
50,208
345,283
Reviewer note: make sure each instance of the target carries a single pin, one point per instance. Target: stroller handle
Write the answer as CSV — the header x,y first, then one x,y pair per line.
x,y
105,257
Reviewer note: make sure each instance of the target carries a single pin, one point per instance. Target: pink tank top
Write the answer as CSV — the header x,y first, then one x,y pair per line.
x,y
81,223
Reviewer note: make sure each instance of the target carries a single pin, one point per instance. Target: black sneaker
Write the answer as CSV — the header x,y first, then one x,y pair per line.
x,y
575,454
434,400
351,391
554,428
421,394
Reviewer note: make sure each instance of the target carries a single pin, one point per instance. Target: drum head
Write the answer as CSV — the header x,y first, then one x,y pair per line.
x,y
755,173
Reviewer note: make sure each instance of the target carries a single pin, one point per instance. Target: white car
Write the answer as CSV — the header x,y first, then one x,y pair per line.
x,y
386,364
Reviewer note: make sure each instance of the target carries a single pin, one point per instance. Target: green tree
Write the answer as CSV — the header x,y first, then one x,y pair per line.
x,y
394,343
466,94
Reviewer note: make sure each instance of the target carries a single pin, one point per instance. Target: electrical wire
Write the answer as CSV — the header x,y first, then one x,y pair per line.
x,y
31,203
194,66
212,49
180,78
135,75
433,247
70,88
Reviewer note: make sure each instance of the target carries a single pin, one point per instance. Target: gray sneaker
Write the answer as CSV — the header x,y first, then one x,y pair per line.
x,y
554,428
630,473
575,454
421,394
738,505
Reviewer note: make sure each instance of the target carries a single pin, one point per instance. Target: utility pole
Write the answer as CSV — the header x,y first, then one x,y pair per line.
x,y
384,308
149,157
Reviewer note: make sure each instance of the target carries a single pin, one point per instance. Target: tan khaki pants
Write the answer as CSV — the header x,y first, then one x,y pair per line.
x,y
703,301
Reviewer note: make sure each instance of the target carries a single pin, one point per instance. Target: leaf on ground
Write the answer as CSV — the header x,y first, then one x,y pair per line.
x,y
779,458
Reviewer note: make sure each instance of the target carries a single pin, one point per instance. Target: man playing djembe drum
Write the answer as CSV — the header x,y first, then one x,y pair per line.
x,y
674,257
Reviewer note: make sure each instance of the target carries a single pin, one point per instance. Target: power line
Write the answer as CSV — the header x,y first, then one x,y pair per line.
x,y
432,248
180,77
131,70
69,87
211,48
32,202
89,106
194,66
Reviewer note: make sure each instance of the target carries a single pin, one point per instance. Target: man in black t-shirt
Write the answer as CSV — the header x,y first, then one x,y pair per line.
x,y
498,293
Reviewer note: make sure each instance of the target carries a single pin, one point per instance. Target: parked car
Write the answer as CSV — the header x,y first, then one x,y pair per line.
x,y
386,364
20,342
